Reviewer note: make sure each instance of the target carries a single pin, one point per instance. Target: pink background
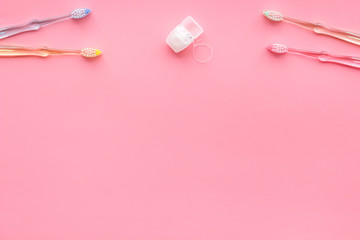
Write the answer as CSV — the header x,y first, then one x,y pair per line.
x,y
146,144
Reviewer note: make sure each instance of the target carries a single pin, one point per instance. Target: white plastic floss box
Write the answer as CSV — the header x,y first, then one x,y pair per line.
x,y
184,34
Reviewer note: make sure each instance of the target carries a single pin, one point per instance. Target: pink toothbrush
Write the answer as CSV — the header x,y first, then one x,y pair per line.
x,y
321,56
316,27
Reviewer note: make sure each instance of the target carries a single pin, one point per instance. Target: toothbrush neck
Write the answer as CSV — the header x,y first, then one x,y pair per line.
x,y
301,23
63,52
54,20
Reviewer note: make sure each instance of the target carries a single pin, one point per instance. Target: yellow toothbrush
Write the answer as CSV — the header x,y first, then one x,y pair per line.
x,y
18,51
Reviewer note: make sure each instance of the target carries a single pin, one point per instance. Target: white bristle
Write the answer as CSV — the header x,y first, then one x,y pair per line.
x,y
277,48
80,13
273,15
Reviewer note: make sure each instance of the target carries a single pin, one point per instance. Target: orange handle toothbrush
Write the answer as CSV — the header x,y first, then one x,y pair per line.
x,y
18,51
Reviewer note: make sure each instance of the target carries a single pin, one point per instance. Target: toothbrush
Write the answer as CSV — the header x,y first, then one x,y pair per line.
x,y
18,51
316,27
36,24
324,57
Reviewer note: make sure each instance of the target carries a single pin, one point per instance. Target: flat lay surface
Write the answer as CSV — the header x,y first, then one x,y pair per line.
x,y
142,143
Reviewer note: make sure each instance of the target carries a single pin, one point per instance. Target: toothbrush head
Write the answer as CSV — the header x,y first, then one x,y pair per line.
x,y
273,15
80,13
90,52
277,48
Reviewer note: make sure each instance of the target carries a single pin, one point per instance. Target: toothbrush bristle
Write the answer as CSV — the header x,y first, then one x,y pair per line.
x,y
80,13
273,15
277,48
90,52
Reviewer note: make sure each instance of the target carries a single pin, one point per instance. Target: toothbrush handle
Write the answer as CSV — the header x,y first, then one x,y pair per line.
x,y
10,31
341,61
332,32
323,54
340,34
30,26
18,51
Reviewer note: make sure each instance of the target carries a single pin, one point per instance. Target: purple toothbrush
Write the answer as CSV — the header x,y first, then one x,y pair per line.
x,y
36,24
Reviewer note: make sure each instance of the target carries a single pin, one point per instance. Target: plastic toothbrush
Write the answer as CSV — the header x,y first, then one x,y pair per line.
x,y
324,57
18,51
316,27
36,24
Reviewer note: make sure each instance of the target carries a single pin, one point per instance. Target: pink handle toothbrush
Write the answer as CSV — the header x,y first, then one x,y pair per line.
x,y
321,56
316,27
18,51
36,24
